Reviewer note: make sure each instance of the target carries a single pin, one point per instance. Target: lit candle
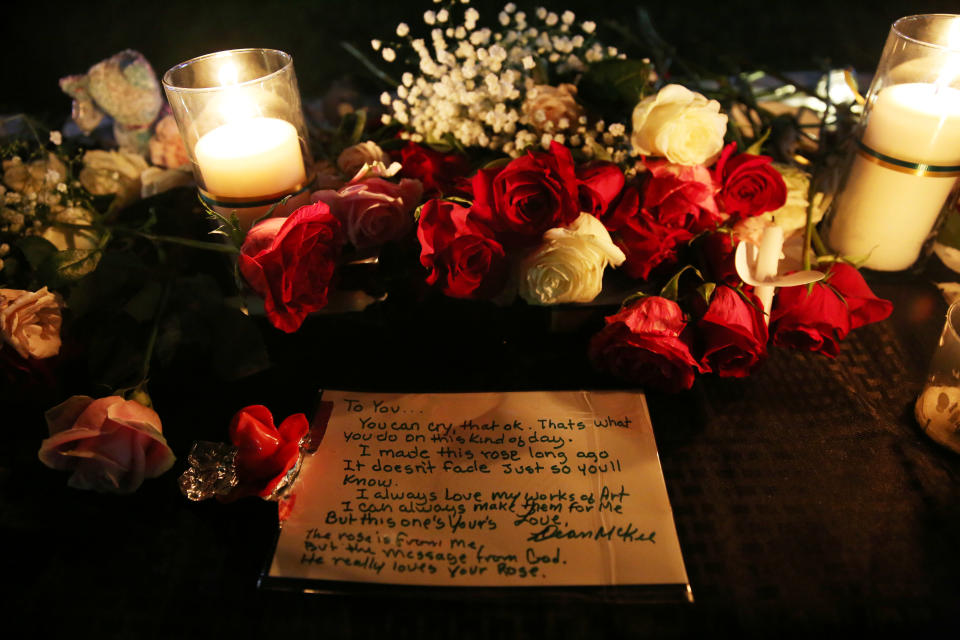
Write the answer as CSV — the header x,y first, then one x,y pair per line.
x,y
251,158
240,118
901,176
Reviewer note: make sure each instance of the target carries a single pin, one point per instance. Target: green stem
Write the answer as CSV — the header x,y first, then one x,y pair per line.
x,y
154,332
187,242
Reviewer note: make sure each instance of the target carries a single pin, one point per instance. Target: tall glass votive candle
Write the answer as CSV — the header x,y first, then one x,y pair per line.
x,y
938,408
241,121
907,157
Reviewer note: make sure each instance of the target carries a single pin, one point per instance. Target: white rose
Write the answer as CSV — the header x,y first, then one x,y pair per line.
x,y
680,125
353,158
64,238
569,265
793,214
113,172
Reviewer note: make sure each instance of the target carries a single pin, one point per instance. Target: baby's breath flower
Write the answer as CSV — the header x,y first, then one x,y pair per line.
x,y
568,17
552,19
375,44
510,7
443,15
56,138
504,18
403,29
385,98
389,54
541,13
528,62
589,26
407,79
429,17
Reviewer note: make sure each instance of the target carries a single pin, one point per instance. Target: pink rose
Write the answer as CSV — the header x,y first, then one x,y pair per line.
x,y
374,211
166,146
30,322
109,444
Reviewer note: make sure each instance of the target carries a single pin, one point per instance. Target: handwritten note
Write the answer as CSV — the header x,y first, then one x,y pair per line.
x,y
483,489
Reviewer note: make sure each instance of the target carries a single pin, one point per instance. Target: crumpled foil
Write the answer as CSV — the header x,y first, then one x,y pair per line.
x,y
212,472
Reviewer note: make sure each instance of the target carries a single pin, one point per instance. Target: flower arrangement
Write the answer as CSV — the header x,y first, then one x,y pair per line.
x,y
523,162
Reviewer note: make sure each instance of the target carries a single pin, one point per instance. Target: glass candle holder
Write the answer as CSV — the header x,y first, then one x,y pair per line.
x,y
242,124
938,407
907,158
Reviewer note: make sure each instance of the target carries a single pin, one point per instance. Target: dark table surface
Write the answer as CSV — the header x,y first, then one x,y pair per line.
x,y
805,497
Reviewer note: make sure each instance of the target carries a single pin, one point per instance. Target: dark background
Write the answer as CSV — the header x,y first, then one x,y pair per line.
x,y
43,41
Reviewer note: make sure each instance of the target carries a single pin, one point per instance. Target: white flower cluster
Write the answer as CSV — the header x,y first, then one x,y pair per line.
x,y
34,196
473,81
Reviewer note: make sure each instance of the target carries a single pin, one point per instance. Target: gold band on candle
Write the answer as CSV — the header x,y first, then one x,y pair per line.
x,y
902,166
249,203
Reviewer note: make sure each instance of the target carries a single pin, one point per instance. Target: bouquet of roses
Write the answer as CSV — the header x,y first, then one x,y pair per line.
x,y
563,195
521,161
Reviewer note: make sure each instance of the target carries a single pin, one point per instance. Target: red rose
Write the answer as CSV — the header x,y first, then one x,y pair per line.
x,y
734,334
645,344
819,320
864,307
814,321
598,186
290,263
438,172
749,184
719,253
460,252
646,243
531,194
266,453
681,196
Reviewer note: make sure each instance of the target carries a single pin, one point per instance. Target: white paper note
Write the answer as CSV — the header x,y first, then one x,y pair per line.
x,y
483,489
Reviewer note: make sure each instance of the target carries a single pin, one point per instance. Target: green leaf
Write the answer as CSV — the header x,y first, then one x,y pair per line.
x,y
64,267
671,290
496,163
706,291
143,306
756,147
615,84
36,250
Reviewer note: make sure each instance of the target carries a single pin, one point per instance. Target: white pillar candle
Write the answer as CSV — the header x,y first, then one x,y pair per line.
x,y
885,210
251,158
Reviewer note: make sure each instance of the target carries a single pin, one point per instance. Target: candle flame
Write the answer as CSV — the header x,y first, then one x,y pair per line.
x,y
228,75
235,103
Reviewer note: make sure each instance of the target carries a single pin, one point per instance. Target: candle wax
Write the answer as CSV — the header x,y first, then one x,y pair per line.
x,y
889,213
251,158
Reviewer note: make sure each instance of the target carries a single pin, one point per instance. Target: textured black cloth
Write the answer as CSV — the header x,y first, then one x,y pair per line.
x,y
806,498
